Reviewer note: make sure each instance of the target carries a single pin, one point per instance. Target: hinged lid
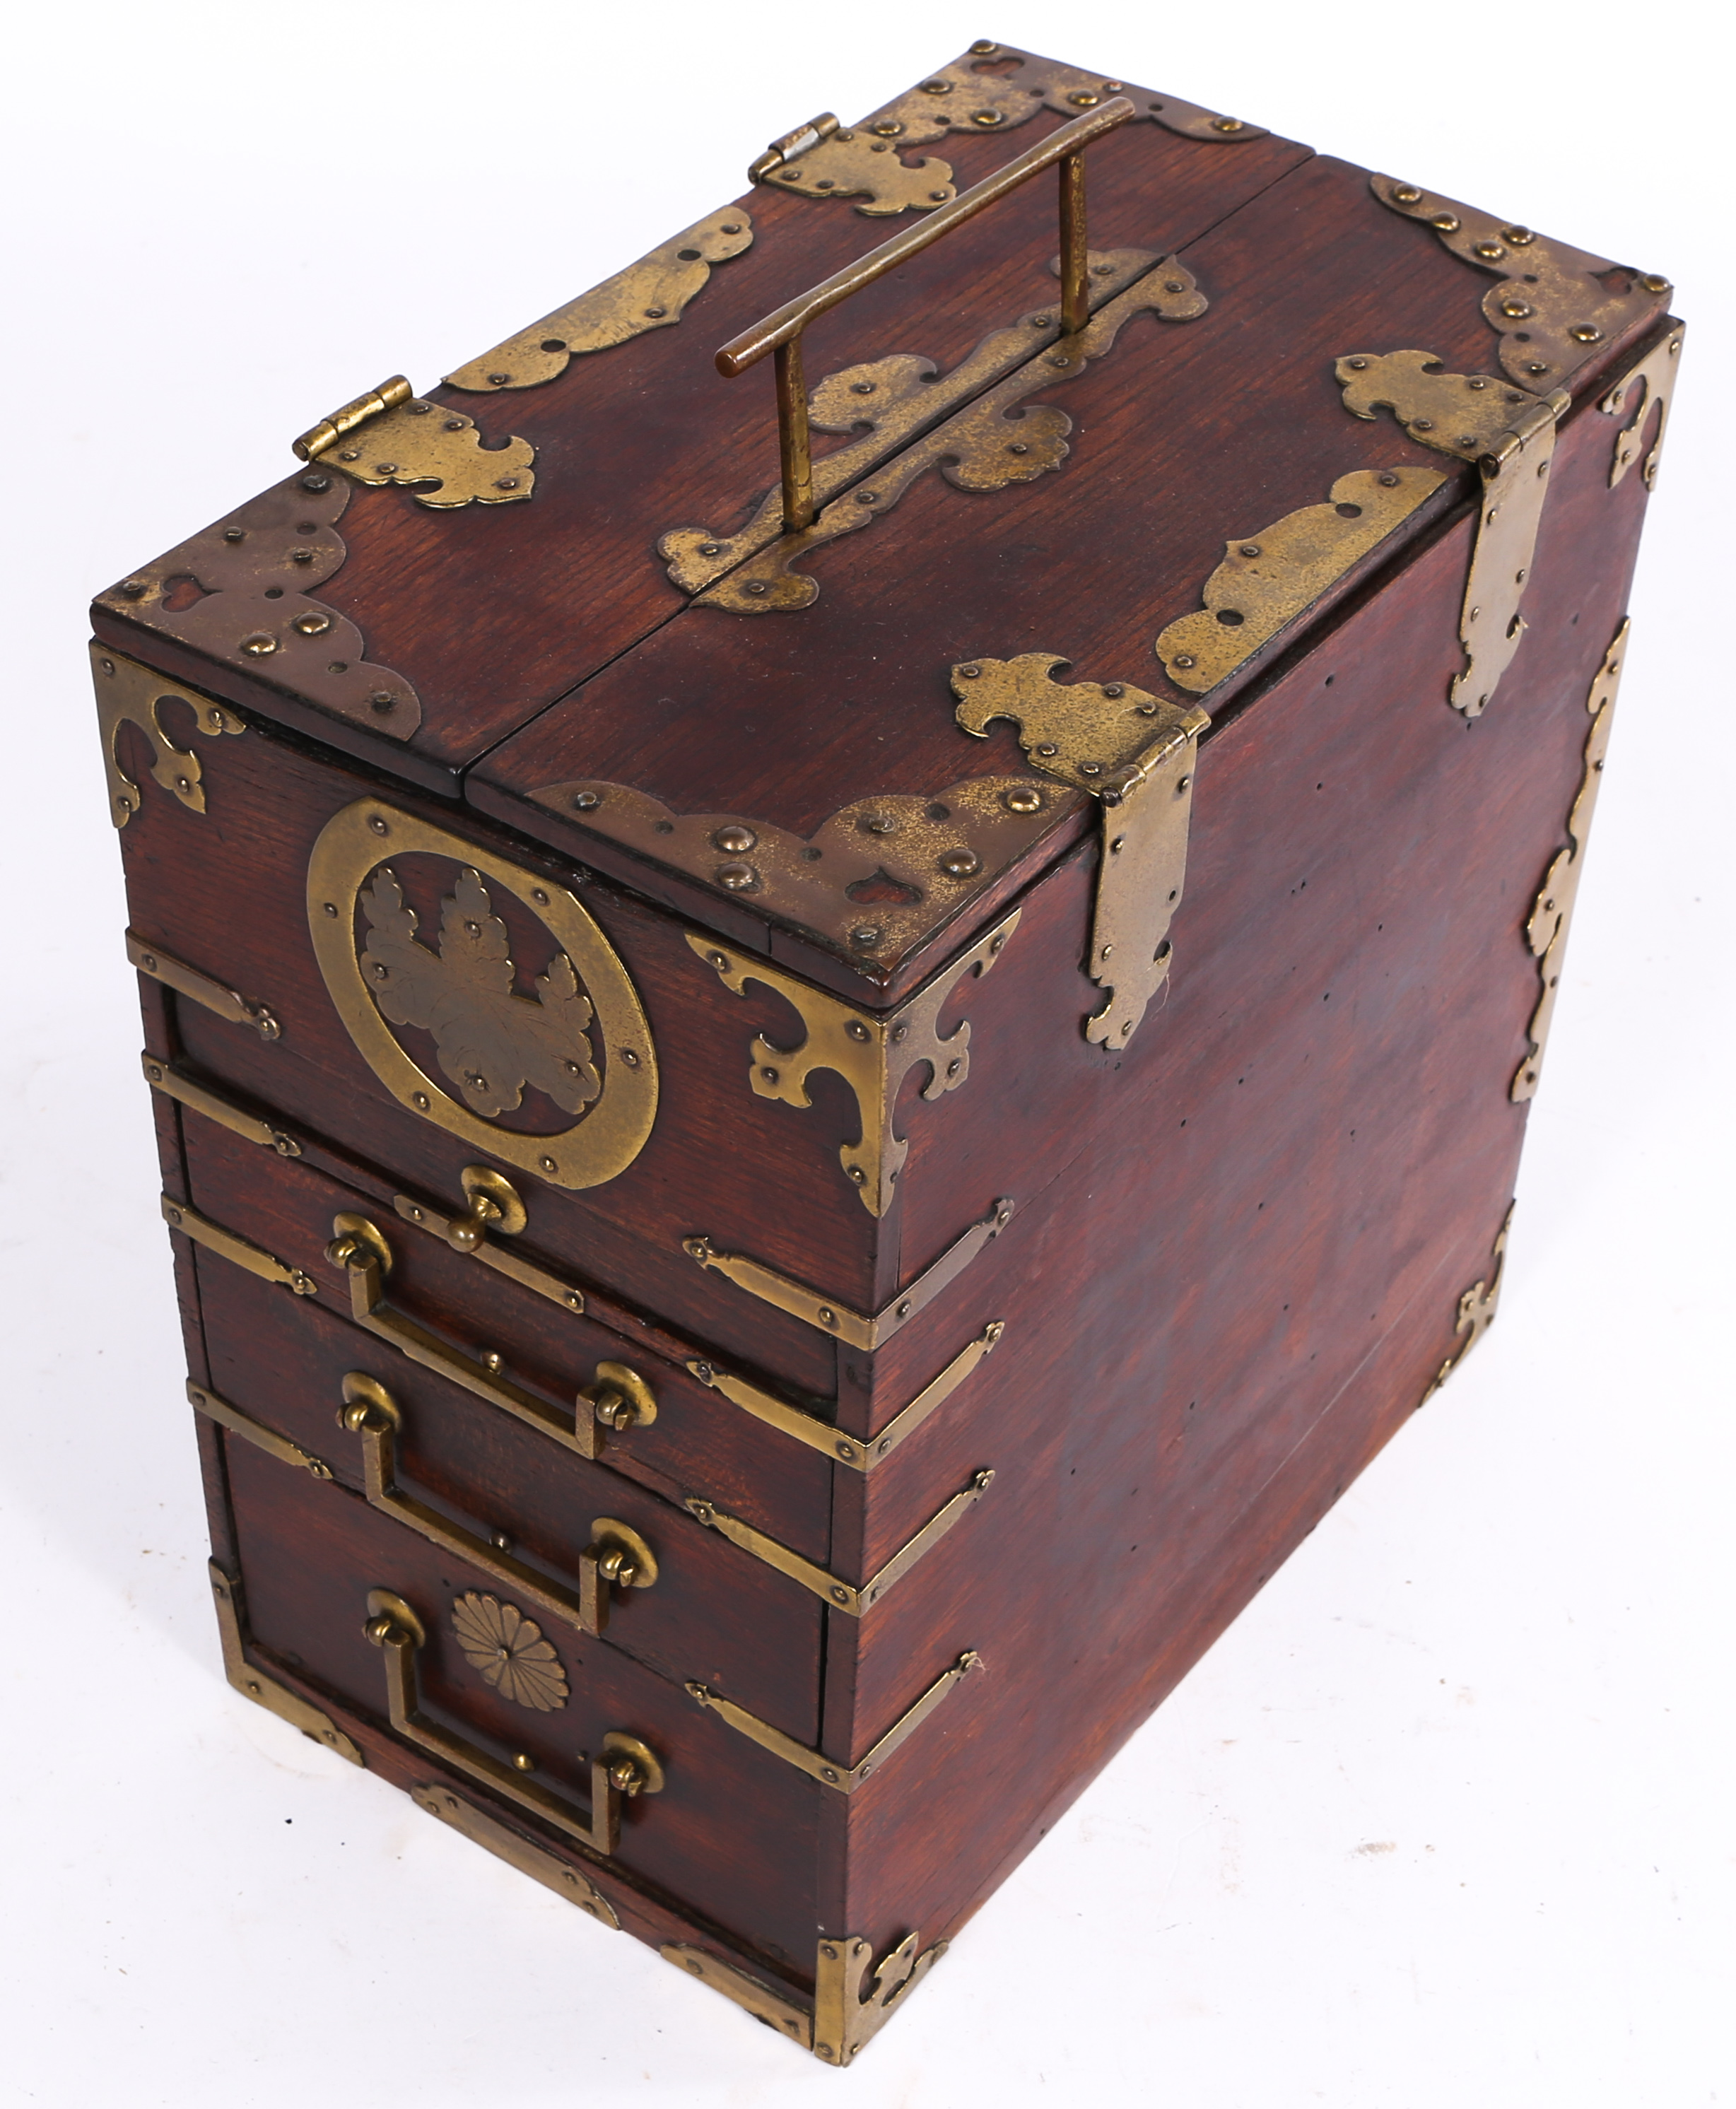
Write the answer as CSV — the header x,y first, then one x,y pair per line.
x,y
567,585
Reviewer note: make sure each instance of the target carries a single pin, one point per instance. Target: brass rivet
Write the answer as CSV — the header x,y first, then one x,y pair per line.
x,y
506,483
523,1762
585,799
1184,659
548,1165
738,878
856,1028
967,673
377,823
1408,194
736,840
259,645
1114,688
312,624
630,1057
1250,548
498,380
1357,365
1226,124
1022,800
1447,223
866,936
758,586
421,1100
316,483
961,863
1586,333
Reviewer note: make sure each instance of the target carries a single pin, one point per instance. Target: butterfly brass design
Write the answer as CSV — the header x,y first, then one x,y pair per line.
x,y
492,1042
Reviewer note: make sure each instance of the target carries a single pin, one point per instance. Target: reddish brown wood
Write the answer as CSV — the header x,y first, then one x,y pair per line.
x,y
714,1613
1244,1284
699,1442
732,1832
849,698
1236,1249
647,436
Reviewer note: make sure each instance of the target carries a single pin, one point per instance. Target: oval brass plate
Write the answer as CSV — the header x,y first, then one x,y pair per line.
x,y
616,1108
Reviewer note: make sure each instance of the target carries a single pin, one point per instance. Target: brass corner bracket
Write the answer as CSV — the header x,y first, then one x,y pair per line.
x,y
1135,754
434,450
874,1054
1510,436
1546,929
849,2010
129,693
1651,384
1476,1308
1551,306
253,1683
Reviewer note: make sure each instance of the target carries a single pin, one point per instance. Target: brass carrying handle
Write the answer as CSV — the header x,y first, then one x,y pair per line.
x,y
617,1398
781,332
616,1556
623,1767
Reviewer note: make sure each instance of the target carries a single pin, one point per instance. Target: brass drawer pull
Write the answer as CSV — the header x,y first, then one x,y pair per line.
x,y
622,1769
617,1397
617,1557
781,333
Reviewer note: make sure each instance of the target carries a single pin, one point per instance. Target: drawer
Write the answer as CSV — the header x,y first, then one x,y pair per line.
x,y
545,1526
722,1825
521,1355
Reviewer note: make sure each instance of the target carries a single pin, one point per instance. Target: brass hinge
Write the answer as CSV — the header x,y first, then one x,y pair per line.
x,y
846,1596
846,1779
1510,436
429,447
859,1328
1135,755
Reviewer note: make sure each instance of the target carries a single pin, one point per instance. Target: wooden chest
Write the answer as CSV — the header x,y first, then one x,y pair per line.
x,y
758,1284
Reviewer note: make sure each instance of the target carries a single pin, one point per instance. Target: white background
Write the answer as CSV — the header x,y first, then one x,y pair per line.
x,y
1445,1818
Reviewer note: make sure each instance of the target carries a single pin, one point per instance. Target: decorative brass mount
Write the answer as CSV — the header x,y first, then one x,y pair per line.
x,y
227,1414
430,448
1546,932
873,1054
1511,436
516,1849
1268,578
228,1004
859,1328
1476,1308
886,403
821,160
1651,384
854,1598
1135,755
981,447
622,1768
781,333
469,997
859,1454
843,1779
652,294
174,1083
844,2016
618,1397
238,593
253,1683
874,876
241,1252
129,694
1552,308
616,1556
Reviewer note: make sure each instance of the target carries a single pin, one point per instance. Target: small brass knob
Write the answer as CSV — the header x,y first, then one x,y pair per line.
x,y
492,1199
619,1397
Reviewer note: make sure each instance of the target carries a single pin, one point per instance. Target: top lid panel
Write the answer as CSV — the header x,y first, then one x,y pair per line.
x,y
418,623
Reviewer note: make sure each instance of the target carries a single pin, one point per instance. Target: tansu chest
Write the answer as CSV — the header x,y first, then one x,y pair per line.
x,y
842,961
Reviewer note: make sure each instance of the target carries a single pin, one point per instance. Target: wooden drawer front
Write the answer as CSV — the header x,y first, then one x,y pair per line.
x,y
731,1833
460,1471
699,1444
